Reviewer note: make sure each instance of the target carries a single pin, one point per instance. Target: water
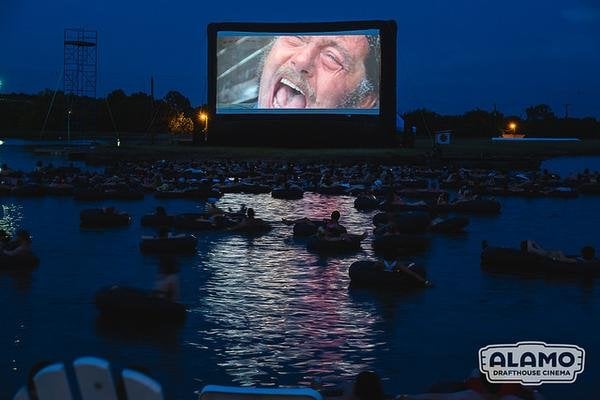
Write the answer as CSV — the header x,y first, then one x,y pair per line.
x,y
264,310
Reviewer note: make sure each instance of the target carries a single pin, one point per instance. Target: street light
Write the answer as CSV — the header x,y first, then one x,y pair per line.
x,y
69,126
513,127
204,118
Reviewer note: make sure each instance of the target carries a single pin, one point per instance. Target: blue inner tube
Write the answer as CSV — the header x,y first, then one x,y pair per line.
x,y
372,274
126,303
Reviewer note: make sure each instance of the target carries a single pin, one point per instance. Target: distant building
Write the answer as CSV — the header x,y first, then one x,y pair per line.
x,y
507,135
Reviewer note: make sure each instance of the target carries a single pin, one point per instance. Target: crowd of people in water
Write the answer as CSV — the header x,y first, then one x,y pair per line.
x,y
170,177
390,185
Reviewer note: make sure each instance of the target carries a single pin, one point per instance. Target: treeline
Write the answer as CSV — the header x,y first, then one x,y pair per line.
x,y
118,112
539,121
140,113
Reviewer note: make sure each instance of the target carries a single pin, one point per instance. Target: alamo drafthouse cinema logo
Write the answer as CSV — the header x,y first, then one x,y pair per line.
x,y
531,363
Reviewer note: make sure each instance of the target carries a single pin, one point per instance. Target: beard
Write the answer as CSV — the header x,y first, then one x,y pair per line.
x,y
352,99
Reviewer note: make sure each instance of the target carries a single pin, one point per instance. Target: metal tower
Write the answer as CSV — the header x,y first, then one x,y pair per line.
x,y
80,78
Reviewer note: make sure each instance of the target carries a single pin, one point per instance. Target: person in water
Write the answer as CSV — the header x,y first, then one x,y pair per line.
x,y
393,264
333,228
532,247
167,283
249,221
23,243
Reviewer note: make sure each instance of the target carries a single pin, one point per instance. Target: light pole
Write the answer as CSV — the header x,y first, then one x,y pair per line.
x,y
69,126
513,127
204,118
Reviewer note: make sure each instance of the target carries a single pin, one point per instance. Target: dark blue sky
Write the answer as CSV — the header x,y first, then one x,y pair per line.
x,y
452,55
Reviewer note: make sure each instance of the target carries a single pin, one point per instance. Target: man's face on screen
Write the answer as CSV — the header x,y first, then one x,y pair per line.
x,y
315,72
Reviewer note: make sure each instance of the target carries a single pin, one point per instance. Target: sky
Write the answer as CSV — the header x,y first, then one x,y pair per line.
x,y
453,56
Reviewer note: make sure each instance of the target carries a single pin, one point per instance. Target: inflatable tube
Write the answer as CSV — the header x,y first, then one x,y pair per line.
x,y
258,227
181,244
130,304
16,263
305,229
97,218
381,218
366,203
157,221
400,243
504,259
320,245
372,274
450,225
193,221
291,193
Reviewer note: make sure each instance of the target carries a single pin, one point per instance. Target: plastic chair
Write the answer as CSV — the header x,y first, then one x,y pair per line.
x,y
94,381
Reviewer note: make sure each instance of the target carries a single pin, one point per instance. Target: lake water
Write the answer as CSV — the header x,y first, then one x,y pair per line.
x,y
266,311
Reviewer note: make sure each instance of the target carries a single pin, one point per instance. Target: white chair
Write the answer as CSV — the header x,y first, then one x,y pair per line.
x,y
21,394
94,379
214,392
51,383
140,387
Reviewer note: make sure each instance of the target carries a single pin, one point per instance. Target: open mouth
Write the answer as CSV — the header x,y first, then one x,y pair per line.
x,y
288,95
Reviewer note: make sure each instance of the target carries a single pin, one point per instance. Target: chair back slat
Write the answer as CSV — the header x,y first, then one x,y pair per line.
x,y
51,383
94,379
141,387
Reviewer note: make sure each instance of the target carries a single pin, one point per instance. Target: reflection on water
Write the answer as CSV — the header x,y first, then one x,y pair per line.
x,y
11,217
268,312
273,310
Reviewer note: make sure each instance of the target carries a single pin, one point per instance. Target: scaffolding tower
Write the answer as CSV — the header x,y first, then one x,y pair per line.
x,y
80,78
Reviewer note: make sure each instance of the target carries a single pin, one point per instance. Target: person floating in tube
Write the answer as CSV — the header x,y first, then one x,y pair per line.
x,y
326,72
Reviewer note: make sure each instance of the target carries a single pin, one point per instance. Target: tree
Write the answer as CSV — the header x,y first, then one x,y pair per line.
x,y
541,112
178,103
181,124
